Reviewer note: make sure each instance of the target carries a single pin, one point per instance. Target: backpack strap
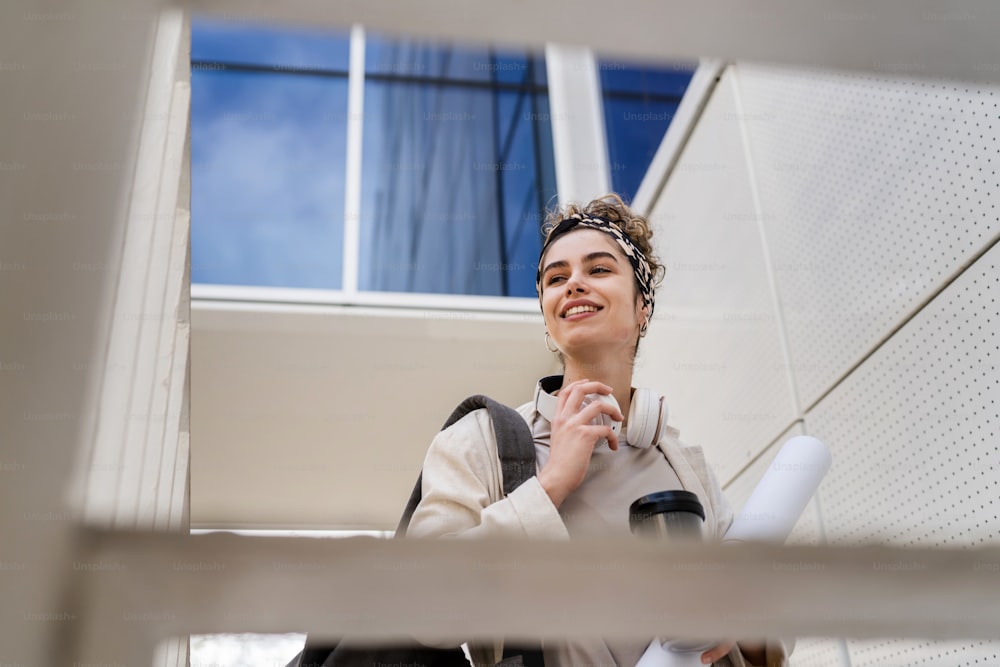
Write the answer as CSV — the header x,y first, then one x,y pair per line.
x,y
515,448
515,444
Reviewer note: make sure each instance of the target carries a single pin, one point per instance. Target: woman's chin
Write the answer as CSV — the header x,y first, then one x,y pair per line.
x,y
589,347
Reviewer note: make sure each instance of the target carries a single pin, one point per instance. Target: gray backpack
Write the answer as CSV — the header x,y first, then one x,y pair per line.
x,y
516,450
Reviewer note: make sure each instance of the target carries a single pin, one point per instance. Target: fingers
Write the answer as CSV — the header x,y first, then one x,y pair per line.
x,y
612,439
570,411
598,406
601,431
576,430
717,652
572,396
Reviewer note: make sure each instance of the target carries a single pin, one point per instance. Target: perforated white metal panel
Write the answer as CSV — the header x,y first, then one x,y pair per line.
x,y
714,348
808,651
914,429
818,652
914,437
874,191
896,653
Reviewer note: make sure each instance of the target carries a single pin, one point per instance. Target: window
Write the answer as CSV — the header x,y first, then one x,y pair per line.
x,y
268,136
639,103
456,171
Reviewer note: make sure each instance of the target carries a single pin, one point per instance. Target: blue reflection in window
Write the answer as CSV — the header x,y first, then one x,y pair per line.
x,y
285,48
455,63
639,103
633,78
267,178
458,163
457,170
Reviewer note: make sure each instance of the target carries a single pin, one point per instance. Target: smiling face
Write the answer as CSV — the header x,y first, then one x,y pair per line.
x,y
589,297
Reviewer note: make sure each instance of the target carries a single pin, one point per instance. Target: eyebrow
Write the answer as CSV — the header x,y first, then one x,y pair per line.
x,y
600,254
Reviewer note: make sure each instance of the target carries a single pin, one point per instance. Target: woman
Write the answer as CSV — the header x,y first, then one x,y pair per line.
x,y
596,283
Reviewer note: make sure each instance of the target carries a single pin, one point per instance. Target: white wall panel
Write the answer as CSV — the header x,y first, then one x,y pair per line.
x,y
914,429
320,417
913,432
874,200
875,191
897,653
714,349
818,652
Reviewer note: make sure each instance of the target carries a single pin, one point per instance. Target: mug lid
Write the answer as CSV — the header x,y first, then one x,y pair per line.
x,y
665,501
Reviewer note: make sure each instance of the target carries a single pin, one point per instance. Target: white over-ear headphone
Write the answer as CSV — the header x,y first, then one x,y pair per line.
x,y
646,415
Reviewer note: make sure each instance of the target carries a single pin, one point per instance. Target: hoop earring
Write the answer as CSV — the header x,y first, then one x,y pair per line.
x,y
643,329
547,340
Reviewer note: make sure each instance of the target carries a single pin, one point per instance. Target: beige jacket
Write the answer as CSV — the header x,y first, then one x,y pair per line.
x,y
463,497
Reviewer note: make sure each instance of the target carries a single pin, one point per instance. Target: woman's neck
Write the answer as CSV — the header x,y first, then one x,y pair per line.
x,y
617,375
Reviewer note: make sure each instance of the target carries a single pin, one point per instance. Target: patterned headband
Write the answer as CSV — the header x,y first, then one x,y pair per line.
x,y
640,265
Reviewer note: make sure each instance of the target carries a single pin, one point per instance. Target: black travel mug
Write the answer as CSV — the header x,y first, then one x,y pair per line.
x,y
673,515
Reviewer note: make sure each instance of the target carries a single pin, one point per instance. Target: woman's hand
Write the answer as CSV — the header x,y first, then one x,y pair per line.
x,y
574,437
754,652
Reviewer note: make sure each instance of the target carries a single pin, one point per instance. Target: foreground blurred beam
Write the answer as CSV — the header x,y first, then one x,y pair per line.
x,y
892,37
73,77
158,585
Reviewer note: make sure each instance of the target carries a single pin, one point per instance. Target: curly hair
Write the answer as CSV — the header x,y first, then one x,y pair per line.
x,y
614,210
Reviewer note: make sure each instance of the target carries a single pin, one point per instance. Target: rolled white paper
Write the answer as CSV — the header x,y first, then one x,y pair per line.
x,y
654,655
769,515
783,493
662,655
